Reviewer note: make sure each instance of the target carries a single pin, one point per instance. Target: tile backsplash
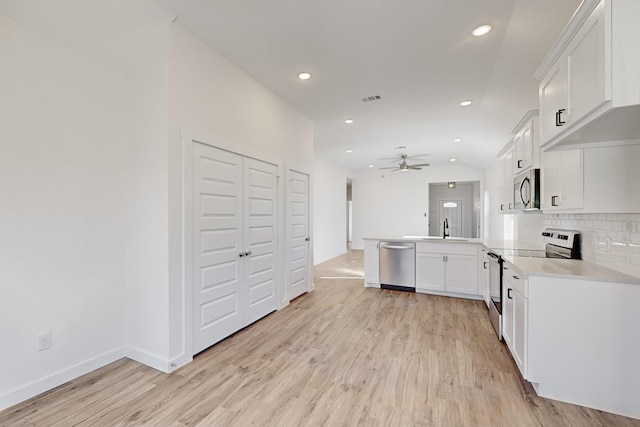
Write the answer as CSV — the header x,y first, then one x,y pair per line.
x,y
611,240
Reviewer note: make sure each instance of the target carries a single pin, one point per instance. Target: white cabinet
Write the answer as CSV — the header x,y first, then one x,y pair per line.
x,y
553,101
589,74
372,263
514,315
576,84
483,274
430,271
562,180
461,274
506,191
445,267
525,143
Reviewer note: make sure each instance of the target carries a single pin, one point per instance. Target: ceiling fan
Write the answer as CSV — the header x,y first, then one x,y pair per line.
x,y
404,167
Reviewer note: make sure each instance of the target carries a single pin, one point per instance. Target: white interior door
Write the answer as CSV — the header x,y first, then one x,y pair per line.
x,y
260,231
298,220
217,243
452,211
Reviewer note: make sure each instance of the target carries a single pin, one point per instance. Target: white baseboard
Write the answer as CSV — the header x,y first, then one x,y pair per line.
x,y
47,383
328,257
149,359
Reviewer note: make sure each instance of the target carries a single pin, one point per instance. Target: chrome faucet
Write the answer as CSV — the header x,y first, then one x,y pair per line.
x,y
445,229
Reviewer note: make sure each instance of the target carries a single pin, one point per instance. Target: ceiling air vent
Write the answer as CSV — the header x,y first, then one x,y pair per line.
x,y
371,98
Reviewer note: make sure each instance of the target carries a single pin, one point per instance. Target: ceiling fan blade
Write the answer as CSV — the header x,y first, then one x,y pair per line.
x,y
421,164
415,168
418,155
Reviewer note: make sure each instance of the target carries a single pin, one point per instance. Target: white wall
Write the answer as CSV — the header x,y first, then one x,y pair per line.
x,y
62,224
147,273
330,210
390,205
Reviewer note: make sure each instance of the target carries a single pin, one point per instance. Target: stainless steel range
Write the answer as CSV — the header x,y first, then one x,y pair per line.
x,y
558,244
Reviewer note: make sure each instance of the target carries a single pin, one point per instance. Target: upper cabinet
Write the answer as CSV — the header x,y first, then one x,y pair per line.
x,y
525,143
562,180
589,87
505,199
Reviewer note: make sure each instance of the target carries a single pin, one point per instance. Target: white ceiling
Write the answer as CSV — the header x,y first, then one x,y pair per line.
x,y
418,55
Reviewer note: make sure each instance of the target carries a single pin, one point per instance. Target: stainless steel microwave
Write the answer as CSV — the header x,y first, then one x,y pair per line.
x,y
526,191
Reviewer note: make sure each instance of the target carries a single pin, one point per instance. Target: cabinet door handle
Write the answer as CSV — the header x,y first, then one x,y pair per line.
x,y
248,253
307,239
241,254
559,121
510,206
516,277
509,293
554,200
485,265
502,207
519,164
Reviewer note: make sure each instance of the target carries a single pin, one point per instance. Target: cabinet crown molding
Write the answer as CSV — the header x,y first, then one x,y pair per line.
x,y
524,120
577,20
506,149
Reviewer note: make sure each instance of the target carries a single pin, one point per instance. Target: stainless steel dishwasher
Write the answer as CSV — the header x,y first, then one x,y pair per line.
x,y
398,266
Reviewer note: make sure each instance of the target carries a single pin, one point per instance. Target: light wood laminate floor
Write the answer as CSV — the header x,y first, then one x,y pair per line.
x,y
342,355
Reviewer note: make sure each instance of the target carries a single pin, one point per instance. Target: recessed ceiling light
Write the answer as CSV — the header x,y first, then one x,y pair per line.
x,y
452,159
457,140
348,121
349,151
481,30
370,166
305,75
465,103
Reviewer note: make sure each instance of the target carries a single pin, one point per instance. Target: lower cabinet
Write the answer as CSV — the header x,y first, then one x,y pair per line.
x,y
372,263
444,267
484,281
514,315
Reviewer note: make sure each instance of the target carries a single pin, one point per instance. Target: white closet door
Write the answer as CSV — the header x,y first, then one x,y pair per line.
x,y
260,233
298,220
217,243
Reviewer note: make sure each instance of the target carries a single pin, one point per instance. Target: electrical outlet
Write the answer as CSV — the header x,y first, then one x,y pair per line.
x,y
44,341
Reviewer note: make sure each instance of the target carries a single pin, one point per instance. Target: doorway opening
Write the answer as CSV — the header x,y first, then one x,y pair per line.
x,y
459,204
349,213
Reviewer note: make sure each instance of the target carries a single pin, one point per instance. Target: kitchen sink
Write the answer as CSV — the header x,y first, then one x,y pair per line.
x,y
458,239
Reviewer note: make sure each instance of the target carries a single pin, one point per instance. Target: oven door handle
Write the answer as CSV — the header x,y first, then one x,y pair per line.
x,y
494,256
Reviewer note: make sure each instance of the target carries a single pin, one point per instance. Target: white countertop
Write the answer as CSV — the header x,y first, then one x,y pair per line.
x,y
550,267
568,269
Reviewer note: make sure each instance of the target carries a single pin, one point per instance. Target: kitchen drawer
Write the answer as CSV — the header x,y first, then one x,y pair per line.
x,y
511,277
447,248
